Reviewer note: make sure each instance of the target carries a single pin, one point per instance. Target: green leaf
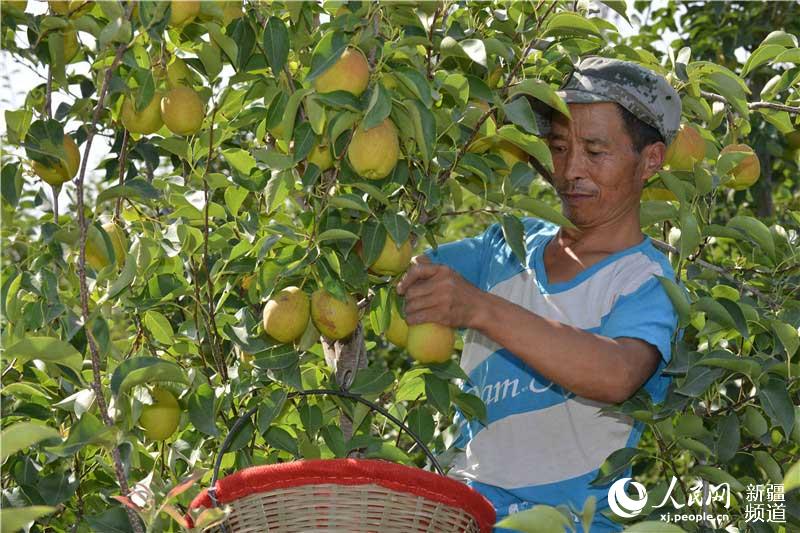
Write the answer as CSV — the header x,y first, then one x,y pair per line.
x,y
791,480
731,362
380,106
372,380
202,412
46,349
397,226
690,234
234,197
334,438
88,431
424,128
514,234
615,464
519,112
542,92
420,421
761,55
538,519
16,518
679,300
728,438
533,145
373,237
158,325
698,380
756,231
277,437
416,85
292,105
715,311
471,406
787,335
136,189
21,435
349,201
541,210
326,53
569,24
336,234
717,476
437,391
240,160
775,400
270,408
141,370
225,43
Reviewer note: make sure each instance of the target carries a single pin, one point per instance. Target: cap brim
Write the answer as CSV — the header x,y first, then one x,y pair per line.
x,y
576,96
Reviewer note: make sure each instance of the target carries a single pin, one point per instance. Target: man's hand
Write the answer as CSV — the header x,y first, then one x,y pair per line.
x,y
436,293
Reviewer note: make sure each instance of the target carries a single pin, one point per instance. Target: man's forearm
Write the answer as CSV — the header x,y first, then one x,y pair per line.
x,y
589,365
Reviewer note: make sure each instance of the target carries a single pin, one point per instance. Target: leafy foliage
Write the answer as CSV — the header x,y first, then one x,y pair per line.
x,y
219,221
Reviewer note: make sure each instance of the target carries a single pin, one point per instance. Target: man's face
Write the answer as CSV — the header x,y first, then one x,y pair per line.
x,y
598,173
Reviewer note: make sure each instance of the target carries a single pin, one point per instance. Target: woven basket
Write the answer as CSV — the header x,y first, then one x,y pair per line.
x,y
347,495
344,495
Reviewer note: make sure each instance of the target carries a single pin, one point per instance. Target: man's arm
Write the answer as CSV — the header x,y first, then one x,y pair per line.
x,y
587,364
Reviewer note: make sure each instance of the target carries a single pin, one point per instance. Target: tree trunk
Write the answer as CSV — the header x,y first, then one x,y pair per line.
x,y
346,357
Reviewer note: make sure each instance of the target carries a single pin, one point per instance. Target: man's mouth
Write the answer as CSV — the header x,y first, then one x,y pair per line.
x,y
576,196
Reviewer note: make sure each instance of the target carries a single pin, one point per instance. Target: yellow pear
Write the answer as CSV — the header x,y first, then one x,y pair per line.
x,y
686,149
350,73
393,259
747,172
19,5
430,342
397,332
63,171
231,10
182,111
511,154
147,121
159,420
178,74
321,156
98,256
183,12
373,153
286,315
334,318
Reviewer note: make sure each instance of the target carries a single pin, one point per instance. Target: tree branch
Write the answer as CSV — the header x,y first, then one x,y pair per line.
x,y
84,290
665,247
212,333
753,105
123,155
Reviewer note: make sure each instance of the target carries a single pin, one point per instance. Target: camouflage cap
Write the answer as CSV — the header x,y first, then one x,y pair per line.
x,y
647,95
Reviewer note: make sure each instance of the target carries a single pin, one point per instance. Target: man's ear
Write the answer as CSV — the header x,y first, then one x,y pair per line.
x,y
652,159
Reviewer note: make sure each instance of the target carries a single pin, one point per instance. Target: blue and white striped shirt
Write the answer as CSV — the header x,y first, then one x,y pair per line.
x,y
543,444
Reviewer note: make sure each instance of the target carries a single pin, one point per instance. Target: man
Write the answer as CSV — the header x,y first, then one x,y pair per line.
x,y
586,324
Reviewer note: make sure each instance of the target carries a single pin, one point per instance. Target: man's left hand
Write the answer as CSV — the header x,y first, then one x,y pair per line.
x,y
437,293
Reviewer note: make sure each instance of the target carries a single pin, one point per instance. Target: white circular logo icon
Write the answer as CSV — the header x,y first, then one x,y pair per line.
x,y
622,504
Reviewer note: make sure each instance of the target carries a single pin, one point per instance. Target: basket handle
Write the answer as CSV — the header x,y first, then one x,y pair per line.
x,y
314,392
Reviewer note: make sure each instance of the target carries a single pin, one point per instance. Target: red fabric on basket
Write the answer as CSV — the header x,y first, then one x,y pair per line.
x,y
392,476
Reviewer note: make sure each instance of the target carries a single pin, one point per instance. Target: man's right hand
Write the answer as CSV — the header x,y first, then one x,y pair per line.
x,y
437,293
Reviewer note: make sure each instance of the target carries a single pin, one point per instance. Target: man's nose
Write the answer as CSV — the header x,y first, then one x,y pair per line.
x,y
574,165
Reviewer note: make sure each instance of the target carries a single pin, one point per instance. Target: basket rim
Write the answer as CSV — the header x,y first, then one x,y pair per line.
x,y
393,476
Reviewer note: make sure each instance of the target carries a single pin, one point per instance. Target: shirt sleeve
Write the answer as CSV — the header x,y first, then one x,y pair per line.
x,y
467,256
645,314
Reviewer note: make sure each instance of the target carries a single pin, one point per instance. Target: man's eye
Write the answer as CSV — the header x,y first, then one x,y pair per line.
x,y
595,153
558,148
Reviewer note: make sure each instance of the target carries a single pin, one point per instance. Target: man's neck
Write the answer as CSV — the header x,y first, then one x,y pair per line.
x,y
611,237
